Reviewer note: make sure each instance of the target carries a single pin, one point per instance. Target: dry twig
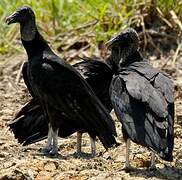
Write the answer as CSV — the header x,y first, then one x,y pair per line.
x,y
152,43
144,32
176,54
162,18
19,73
176,19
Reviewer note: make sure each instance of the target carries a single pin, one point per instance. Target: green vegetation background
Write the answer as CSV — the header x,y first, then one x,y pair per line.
x,y
97,20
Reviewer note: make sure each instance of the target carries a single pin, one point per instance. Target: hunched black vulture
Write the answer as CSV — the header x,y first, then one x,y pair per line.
x,y
30,125
65,97
142,98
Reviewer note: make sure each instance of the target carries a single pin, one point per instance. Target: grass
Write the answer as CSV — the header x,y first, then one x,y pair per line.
x,y
97,20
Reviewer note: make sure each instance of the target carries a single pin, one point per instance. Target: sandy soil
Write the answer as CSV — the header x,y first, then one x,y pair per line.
x,y
18,162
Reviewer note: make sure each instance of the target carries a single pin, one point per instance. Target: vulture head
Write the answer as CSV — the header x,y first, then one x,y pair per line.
x,y
26,18
123,46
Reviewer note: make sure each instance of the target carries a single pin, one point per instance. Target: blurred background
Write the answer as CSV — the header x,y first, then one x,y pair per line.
x,y
85,25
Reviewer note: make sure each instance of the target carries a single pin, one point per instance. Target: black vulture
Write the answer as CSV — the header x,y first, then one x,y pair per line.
x,y
142,98
65,97
30,126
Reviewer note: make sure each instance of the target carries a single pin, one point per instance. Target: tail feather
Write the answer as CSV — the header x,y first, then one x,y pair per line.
x,y
35,138
160,139
107,139
29,125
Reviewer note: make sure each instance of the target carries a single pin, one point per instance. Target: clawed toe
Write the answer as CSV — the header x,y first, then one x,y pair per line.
x,y
46,151
53,152
128,168
78,154
152,168
50,151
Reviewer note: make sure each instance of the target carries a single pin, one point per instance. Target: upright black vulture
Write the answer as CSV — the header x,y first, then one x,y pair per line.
x,y
30,125
65,97
142,98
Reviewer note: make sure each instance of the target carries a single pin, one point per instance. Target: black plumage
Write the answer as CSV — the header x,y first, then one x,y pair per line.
x,y
142,97
29,125
65,97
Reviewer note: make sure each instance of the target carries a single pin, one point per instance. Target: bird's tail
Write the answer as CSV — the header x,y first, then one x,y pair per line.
x,y
167,153
108,140
29,125
163,138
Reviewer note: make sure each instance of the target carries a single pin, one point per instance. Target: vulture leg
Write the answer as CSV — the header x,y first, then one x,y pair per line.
x,y
127,163
54,149
52,142
79,143
93,146
152,162
48,146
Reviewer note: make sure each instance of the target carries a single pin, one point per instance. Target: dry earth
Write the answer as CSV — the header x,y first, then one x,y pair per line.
x,y
18,162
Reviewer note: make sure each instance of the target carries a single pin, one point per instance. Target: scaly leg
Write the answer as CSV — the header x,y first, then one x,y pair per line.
x,y
54,149
79,143
93,146
152,161
127,163
48,146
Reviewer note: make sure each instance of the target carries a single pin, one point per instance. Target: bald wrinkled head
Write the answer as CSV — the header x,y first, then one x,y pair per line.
x,y
125,38
21,15
26,18
123,45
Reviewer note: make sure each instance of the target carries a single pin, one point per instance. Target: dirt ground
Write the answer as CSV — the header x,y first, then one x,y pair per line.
x,y
18,162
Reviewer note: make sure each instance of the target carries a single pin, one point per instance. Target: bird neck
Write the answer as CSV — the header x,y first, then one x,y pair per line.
x,y
135,57
32,40
111,64
28,30
111,61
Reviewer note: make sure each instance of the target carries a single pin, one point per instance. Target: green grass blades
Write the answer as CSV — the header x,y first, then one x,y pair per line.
x,y
57,17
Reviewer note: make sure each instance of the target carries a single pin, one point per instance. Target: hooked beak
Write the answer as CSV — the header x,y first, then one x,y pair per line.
x,y
12,18
112,42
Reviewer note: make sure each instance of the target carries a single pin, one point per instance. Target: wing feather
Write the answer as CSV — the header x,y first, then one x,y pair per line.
x,y
146,116
26,80
78,97
165,85
141,89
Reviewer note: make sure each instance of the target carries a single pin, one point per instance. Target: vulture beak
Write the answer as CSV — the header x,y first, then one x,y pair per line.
x,y
12,18
112,42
